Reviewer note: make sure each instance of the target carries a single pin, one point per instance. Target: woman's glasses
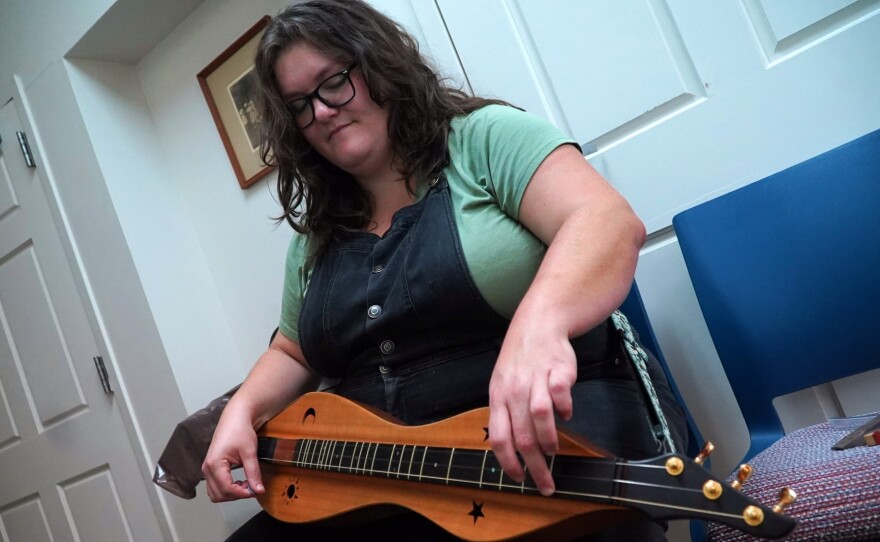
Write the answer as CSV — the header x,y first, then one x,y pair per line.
x,y
335,91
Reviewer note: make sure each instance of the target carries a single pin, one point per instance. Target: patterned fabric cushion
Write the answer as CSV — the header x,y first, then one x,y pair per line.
x,y
838,491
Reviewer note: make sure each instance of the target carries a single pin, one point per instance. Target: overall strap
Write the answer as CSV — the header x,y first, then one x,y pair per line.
x,y
639,357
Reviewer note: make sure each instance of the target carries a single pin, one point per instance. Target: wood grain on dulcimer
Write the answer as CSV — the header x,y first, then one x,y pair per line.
x,y
328,458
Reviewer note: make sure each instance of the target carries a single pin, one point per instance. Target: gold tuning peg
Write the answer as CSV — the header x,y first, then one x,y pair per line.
x,y
753,515
674,466
712,490
786,497
742,474
707,450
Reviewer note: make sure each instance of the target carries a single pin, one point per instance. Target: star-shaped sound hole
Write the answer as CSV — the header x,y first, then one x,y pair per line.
x,y
486,430
477,511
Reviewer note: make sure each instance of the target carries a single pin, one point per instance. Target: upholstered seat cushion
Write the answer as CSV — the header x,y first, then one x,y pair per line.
x,y
838,491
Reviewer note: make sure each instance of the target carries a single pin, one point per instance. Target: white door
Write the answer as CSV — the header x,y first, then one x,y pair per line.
x,y
69,471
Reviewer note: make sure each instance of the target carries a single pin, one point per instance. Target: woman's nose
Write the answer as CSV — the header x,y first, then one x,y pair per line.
x,y
322,110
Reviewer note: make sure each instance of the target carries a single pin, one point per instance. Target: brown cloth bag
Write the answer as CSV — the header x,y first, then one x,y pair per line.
x,y
179,469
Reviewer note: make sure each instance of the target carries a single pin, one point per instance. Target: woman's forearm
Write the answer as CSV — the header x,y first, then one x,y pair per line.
x,y
276,379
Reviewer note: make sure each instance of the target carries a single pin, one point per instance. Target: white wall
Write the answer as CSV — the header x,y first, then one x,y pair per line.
x,y
158,229
241,248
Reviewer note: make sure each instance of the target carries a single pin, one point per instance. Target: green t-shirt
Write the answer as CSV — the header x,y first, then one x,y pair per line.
x,y
494,152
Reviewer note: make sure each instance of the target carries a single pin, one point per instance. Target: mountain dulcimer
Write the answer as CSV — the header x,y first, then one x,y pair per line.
x,y
328,458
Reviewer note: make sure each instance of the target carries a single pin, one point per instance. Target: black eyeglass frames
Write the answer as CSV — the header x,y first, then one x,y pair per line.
x,y
335,91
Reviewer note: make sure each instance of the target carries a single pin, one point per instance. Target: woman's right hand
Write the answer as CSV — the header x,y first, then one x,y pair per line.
x,y
279,376
234,444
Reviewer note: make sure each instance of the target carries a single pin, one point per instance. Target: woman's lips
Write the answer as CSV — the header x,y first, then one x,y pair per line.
x,y
336,130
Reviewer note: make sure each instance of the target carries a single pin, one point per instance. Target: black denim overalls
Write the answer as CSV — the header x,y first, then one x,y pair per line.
x,y
400,321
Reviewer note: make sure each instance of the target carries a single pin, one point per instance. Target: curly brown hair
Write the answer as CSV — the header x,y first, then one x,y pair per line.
x,y
420,109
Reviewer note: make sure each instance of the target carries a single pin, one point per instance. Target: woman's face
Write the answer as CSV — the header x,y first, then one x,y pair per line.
x,y
353,136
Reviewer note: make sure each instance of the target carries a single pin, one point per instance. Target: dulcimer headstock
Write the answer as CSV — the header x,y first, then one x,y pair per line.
x,y
673,486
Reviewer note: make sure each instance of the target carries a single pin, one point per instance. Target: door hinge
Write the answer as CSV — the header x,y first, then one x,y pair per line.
x,y
25,149
102,374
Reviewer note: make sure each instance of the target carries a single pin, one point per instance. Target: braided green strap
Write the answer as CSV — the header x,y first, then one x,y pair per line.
x,y
639,357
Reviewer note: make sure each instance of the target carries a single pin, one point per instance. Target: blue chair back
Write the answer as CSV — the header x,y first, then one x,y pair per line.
x,y
787,274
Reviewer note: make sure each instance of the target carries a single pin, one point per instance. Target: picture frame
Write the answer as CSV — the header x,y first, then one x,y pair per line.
x,y
229,84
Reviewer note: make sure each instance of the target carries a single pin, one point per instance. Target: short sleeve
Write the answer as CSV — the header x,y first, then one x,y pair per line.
x,y
296,275
493,155
508,144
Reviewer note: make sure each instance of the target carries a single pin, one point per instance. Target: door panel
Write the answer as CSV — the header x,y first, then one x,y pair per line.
x,y
76,475
32,333
643,70
93,505
787,17
786,27
609,68
25,522
8,430
8,201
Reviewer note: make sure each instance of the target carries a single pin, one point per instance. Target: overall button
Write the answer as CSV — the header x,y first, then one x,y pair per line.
x,y
374,311
387,347
378,269
384,370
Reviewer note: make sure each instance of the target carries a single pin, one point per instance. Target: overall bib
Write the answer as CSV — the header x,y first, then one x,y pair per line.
x,y
399,319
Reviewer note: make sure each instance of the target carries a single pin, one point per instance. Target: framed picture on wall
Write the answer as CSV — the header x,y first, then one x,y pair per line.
x,y
230,87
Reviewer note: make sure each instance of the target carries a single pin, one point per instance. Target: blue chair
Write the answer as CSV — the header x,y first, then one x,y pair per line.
x,y
787,274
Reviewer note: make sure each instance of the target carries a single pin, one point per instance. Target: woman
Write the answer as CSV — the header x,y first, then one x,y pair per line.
x,y
455,252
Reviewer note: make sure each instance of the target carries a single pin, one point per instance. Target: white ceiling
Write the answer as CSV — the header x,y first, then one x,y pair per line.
x,y
131,28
